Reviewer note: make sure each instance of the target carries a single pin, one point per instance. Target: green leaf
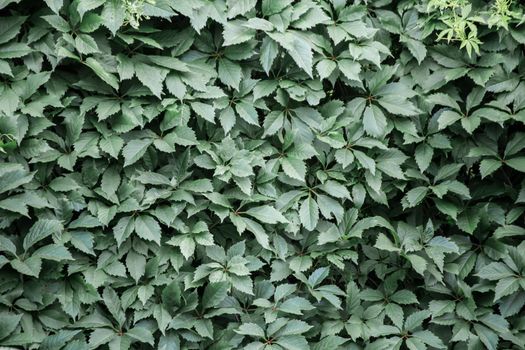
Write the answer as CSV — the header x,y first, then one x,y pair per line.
x,y
55,5
295,168
8,323
113,15
416,319
10,27
495,271
184,136
134,150
417,49
309,213
505,287
468,220
148,228
488,166
251,329
206,111
53,252
395,313
40,230
269,51
214,294
441,307
374,121
150,76
447,118
424,154
88,5
350,69
99,70
136,265
14,50
293,342
57,22
30,266
384,243
230,73
509,231
234,33
416,195
85,44
325,68
298,48
266,214
430,339
517,163
247,112
143,335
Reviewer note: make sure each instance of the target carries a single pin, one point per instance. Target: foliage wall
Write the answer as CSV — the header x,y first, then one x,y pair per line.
x,y
275,174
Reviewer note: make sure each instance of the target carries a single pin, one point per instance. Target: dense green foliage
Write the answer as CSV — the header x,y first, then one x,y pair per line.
x,y
274,174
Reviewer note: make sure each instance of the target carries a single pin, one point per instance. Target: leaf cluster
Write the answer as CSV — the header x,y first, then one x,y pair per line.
x,y
270,175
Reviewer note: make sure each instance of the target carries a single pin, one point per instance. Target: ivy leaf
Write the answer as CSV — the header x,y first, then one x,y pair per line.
x,y
517,163
151,77
136,265
109,78
55,5
295,168
297,48
40,230
309,213
113,15
10,27
214,294
424,154
350,69
148,228
374,121
134,150
230,73
267,214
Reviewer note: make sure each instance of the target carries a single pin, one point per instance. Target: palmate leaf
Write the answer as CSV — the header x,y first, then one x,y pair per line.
x,y
10,27
374,121
298,48
269,174
148,228
309,213
134,150
113,15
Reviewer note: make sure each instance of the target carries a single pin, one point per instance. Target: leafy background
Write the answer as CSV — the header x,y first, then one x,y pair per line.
x,y
275,174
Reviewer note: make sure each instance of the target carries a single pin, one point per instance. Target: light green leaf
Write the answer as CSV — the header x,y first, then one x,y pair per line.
x,y
10,27
134,150
295,168
374,121
113,15
447,118
99,70
350,69
297,47
230,73
214,294
517,163
148,228
251,329
267,214
309,213
151,76
40,230
136,265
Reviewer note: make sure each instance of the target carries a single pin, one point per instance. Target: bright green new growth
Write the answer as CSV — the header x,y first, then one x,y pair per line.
x,y
262,175
462,21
